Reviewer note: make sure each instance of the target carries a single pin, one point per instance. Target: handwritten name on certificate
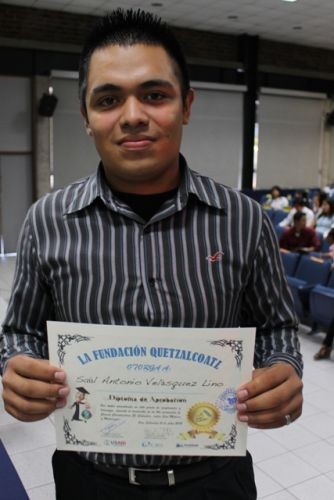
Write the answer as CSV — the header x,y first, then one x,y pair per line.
x,y
145,390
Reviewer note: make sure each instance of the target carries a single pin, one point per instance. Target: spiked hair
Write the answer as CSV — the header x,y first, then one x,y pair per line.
x,y
126,28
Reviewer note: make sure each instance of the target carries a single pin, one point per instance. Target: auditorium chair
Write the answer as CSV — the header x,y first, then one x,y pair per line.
x,y
290,261
321,303
278,216
310,271
279,230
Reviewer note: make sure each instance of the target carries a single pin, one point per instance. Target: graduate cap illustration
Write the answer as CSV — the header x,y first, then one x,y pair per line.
x,y
82,390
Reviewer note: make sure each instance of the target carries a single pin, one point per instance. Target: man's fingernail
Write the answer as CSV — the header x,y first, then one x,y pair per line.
x,y
243,418
63,392
243,394
241,407
60,376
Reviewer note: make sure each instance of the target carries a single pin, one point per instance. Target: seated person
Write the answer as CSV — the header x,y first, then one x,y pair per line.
x,y
329,189
299,238
317,200
330,253
276,200
326,348
299,205
325,220
301,194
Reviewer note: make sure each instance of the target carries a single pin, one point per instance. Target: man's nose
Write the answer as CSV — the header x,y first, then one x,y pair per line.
x,y
133,113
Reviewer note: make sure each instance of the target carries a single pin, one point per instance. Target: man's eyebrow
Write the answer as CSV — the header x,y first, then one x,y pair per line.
x,y
110,87
106,87
156,83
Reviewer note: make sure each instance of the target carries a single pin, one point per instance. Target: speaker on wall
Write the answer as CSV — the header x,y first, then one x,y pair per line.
x,y
330,119
47,105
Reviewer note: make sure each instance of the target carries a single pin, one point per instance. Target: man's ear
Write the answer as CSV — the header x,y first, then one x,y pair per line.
x,y
85,117
187,106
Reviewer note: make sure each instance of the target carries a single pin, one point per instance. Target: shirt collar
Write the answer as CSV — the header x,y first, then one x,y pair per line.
x,y
93,187
192,183
203,188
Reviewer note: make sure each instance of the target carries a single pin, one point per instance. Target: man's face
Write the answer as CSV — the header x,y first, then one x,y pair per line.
x,y
300,224
135,115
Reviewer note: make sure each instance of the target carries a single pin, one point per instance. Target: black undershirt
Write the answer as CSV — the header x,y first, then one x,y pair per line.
x,y
145,205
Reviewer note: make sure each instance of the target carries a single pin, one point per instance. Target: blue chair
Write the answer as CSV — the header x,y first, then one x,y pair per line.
x,y
324,246
290,261
11,486
279,231
279,215
271,213
310,271
322,303
321,238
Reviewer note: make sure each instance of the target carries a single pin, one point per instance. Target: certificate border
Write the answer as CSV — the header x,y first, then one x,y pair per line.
x,y
65,340
71,440
235,345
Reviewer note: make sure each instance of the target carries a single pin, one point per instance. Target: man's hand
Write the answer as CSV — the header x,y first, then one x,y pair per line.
x,y
32,388
273,393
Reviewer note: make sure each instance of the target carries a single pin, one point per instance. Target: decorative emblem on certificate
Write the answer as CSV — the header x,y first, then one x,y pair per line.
x,y
141,390
203,417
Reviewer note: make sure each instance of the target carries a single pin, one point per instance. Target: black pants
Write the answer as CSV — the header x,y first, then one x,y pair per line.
x,y
76,479
328,341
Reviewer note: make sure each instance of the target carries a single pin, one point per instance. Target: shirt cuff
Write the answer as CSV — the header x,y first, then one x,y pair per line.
x,y
3,365
282,357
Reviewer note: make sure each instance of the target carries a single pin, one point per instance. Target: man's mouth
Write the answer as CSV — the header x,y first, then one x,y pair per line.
x,y
136,142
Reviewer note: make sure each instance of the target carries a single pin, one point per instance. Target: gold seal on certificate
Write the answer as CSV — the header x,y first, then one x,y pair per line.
x,y
203,417
150,390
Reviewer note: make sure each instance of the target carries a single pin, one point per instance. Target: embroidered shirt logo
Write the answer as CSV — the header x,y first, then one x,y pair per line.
x,y
216,257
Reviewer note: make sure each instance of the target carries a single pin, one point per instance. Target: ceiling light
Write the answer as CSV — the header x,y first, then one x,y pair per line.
x,y
289,0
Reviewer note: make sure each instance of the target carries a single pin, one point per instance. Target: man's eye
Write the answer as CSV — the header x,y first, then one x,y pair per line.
x,y
107,101
155,96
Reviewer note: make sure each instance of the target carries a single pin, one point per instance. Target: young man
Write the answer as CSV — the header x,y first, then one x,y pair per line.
x,y
300,238
131,245
299,205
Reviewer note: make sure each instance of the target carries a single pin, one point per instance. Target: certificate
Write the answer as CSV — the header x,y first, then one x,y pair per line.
x,y
146,390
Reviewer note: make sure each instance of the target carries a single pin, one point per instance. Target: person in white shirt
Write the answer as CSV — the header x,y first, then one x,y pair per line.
x,y
276,200
325,220
299,205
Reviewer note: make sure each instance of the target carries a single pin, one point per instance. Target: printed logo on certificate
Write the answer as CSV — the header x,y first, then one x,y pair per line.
x,y
158,391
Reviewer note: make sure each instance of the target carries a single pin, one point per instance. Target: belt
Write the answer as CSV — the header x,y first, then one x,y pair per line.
x,y
164,476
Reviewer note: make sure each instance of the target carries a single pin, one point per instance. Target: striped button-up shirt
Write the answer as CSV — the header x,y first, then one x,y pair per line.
x,y
207,259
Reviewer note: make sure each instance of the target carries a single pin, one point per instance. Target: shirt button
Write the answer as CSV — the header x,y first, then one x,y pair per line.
x,y
151,281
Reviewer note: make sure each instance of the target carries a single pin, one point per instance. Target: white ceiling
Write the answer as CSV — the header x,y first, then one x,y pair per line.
x,y
305,22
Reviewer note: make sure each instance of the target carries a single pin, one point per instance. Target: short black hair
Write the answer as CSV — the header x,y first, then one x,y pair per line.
x,y
126,28
298,216
302,202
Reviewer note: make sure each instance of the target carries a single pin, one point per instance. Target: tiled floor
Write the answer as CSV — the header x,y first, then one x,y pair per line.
x,y
295,462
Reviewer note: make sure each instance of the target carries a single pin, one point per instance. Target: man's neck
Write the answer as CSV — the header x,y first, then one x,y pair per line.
x,y
145,205
149,186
